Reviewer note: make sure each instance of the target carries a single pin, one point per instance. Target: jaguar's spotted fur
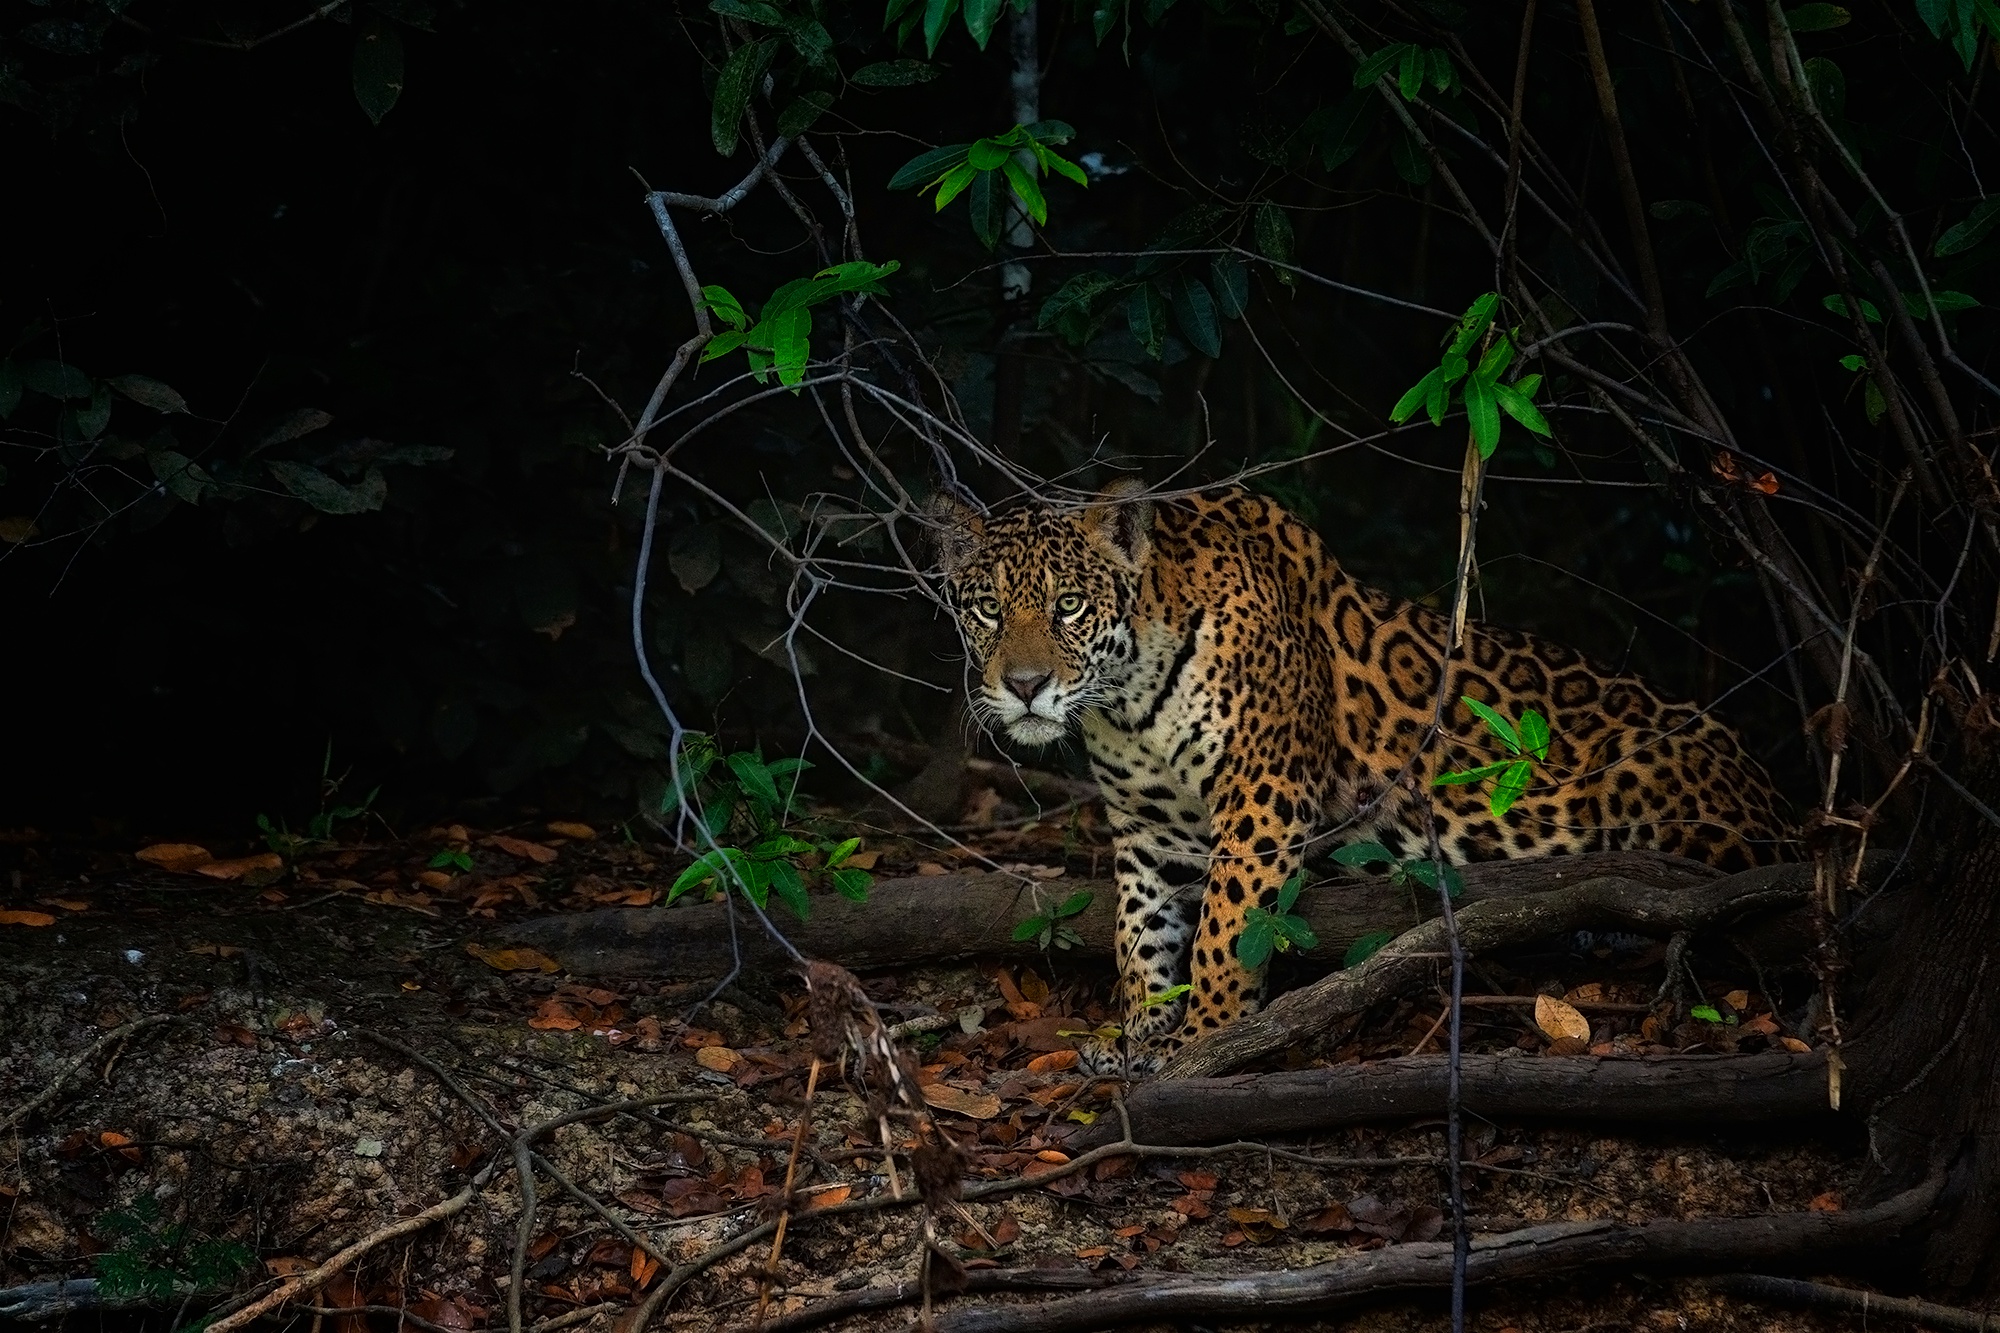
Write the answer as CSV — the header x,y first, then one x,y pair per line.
x,y
1240,694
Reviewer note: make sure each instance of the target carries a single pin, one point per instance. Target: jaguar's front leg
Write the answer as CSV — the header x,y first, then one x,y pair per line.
x,y
1160,889
1261,825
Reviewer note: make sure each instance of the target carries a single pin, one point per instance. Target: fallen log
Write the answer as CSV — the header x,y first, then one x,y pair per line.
x,y
944,917
1674,1089
1410,961
1525,1255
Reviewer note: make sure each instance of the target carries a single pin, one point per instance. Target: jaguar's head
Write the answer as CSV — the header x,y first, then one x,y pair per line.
x,y
1044,598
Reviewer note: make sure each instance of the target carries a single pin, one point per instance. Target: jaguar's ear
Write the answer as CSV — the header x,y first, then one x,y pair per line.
x,y
956,530
1121,520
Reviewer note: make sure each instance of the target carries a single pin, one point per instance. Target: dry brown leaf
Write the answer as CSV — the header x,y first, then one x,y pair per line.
x,y
863,860
1053,1062
113,1141
719,1058
1794,1045
521,847
1829,1202
1739,1000
1033,989
828,1197
513,960
1762,1024
286,1265
555,1016
928,868
16,528
565,828
434,879
67,904
644,1266
1559,1018
215,950
14,916
238,867
179,857
972,1105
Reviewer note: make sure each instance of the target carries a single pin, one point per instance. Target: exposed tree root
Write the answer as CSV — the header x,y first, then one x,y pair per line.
x,y
942,917
1797,1295
1515,1256
1410,960
1662,1090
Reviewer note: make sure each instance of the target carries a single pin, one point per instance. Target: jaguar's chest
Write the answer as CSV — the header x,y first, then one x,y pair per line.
x,y
1156,742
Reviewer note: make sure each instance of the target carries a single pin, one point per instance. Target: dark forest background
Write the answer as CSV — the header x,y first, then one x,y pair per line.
x,y
190,625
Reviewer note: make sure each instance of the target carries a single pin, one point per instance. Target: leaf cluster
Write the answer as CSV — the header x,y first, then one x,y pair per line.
x,y
1477,387
1046,928
745,795
985,170
152,1256
780,338
1528,740
1275,929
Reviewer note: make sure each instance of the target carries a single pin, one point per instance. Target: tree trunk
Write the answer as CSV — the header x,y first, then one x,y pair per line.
x,y
1925,1065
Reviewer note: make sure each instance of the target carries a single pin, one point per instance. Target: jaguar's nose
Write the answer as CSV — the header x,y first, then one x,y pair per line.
x,y
1027,682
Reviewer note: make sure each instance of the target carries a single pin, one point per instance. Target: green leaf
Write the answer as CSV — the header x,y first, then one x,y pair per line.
x,y
1945,301
1472,325
55,379
1414,397
147,392
1232,284
1050,131
1516,405
1535,733
1854,361
1274,233
1971,231
1443,76
851,884
378,65
739,78
1707,1013
1483,415
1375,66
894,74
754,778
926,169
1146,313
1872,402
1838,305
980,16
1167,996
1410,72
780,845
328,496
1407,156
1194,311
1438,397
1073,904
1296,932
1347,128
790,889
1072,306
1527,386
987,154
92,418
987,203
1495,723
1289,893
806,108
1828,84
1816,18
837,856
1363,854
725,307
953,184
937,13
1496,360
1366,947
1029,191
1511,784
1258,940
709,865
1028,929
10,388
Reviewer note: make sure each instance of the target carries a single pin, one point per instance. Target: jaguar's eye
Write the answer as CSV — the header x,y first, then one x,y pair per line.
x,y
1069,604
988,608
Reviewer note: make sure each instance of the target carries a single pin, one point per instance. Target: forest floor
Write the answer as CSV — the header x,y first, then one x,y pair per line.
x,y
272,1114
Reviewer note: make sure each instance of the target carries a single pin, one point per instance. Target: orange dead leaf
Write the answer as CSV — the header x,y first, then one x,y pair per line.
x,y
1724,465
1739,1000
14,916
513,960
1794,1045
719,1058
67,904
215,950
112,1141
972,1105
1033,989
1093,1252
1053,1062
521,847
1052,1157
236,1034
863,860
1558,1019
1829,1202
644,1266
179,857
240,866
827,1198
930,868
286,1265
555,1016
565,828
434,879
